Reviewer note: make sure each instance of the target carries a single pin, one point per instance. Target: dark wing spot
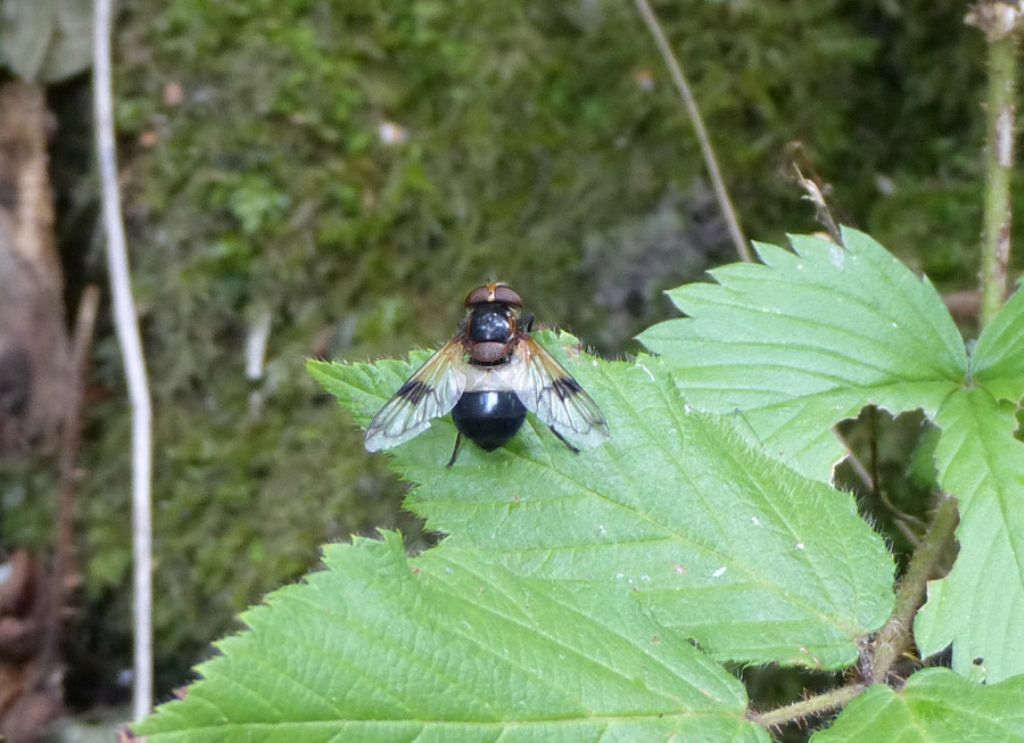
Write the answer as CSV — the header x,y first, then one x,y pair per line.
x,y
566,387
414,390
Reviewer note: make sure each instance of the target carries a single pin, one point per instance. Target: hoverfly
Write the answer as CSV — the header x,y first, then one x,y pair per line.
x,y
488,377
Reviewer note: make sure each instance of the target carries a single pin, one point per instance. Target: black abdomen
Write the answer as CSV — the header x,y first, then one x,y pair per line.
x,y
489,419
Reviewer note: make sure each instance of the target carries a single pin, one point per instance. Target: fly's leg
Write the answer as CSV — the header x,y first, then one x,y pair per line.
x,y
562,438
455,451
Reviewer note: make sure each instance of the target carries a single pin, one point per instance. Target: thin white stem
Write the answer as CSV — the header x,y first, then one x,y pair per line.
x,y
126,323
710,161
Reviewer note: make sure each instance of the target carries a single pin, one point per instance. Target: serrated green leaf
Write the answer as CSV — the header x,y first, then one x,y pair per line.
x,y
754,561
936,706
977,606
448,647
808,339
998,361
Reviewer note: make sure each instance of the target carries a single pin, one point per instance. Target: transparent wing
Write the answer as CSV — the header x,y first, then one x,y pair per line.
x,y
430,392
552,394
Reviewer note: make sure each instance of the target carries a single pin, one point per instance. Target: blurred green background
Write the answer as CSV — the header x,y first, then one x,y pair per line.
x,y
349,169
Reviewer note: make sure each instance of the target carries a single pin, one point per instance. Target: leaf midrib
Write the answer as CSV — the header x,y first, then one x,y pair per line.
x,y
607,719
537,630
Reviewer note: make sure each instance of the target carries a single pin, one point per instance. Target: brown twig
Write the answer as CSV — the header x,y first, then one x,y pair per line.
x,y
901,519
70,444
873,450
809,707
858,466
693,111
813,193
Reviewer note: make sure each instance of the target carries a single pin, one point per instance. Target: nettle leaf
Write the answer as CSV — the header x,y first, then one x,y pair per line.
x,y
977,606
935,705
807,340
450,647
754,561
998,362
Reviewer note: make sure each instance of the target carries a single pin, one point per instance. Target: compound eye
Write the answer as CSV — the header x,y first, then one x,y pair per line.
x,y
505,294
478,295
497,293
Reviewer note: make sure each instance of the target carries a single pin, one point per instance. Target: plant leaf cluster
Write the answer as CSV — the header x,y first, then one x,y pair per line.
x,y
840,328
257,182
595,595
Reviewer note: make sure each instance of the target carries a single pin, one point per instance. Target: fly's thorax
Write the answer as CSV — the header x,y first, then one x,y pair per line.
x,y
491,323
490,331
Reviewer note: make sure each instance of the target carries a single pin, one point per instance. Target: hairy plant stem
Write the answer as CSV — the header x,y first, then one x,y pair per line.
x,y
815,705
693,111
1000,21
894,638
